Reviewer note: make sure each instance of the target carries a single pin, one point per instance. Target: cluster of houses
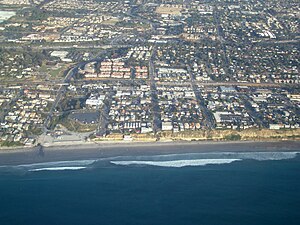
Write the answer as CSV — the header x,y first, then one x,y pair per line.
x,y
250,22
131,110
140,53
141,72
115,68
180,110
55,22
94,23
262,64
243,107
277,107
228,107
13,69
198,32
20,2
64,5
87,5
171,74
200,72
25,117
82,33
96,94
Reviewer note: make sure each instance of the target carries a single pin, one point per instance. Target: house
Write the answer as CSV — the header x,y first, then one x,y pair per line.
x,y
167,126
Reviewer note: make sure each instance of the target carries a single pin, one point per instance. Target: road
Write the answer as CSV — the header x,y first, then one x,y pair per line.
x,y
63,88
4,84
199,83
209,121
63,46
104,115
154,98
223,43
61,91
141,19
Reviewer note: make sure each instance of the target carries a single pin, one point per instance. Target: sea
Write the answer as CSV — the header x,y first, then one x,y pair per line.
x,y
234,188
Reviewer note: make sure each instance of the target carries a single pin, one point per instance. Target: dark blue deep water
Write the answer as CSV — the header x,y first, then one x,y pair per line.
x,y
244,192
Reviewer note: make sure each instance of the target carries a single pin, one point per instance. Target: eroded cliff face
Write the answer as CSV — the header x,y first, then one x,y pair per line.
x,y
273,134
249,134
215,135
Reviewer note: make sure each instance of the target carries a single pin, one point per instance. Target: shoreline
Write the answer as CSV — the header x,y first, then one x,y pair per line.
x,y
105,150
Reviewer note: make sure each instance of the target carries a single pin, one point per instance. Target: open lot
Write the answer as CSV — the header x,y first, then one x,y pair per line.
x,y
168,10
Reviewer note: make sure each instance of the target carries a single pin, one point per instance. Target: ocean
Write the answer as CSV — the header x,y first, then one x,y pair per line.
x,y
176,189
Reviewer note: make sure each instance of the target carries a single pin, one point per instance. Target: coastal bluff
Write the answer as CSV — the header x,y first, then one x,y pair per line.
x,y
234,135
209,135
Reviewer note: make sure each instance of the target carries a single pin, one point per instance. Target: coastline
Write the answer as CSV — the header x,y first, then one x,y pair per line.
x,y
105,150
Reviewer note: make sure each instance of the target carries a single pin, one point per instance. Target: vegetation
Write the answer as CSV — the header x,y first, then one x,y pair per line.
x,y
72,125
23,58
232,137
71,104
10,144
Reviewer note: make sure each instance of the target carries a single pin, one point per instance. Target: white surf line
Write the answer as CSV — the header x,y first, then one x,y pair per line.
x,y
176,163
58,168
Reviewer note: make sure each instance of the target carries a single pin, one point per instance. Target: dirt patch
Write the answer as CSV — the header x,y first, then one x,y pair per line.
x,y
171,10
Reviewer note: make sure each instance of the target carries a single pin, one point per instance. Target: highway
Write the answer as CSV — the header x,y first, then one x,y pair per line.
x,y
5,84
65,46
248,84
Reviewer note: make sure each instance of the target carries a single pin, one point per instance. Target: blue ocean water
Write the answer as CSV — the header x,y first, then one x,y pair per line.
x,y
252,189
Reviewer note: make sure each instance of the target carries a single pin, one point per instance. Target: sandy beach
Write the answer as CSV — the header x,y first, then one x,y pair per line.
x,y
103,150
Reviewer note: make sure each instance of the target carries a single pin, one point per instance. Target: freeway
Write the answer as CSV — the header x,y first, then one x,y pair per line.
x,y
5,84
74,45
247,84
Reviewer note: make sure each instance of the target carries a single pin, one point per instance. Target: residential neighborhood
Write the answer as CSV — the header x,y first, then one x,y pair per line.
x,y
146,70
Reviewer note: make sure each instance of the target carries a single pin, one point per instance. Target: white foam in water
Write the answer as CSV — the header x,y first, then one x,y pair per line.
x,y
58,168
170,160
62,163
259,156
55,166
262,156
202,159
74,163
176,163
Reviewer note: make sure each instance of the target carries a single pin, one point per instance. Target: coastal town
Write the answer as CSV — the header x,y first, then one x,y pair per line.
x,y
85,71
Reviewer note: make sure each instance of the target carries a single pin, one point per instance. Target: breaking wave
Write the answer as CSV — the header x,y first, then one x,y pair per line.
x,y
58,168
176,163
50,166
260,156
200,159
61,163
170,160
